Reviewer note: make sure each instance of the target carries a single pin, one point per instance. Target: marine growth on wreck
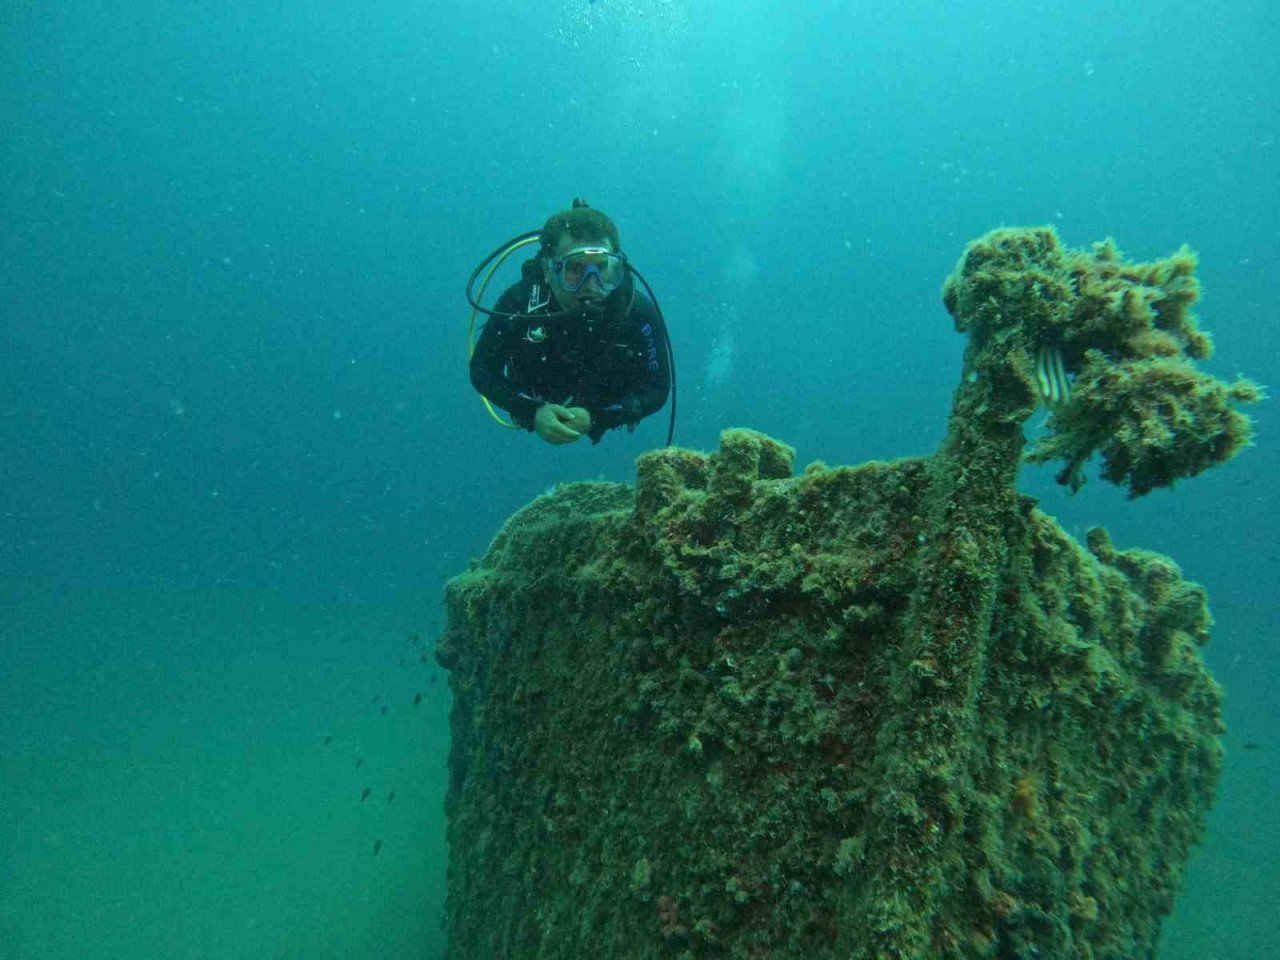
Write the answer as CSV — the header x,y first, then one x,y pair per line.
x,y
888,711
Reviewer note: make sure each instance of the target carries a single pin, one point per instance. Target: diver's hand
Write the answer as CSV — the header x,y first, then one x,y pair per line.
x,y
581,419
554,423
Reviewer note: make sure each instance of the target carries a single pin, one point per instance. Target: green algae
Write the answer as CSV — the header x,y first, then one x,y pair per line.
x,y
888,711
1129,337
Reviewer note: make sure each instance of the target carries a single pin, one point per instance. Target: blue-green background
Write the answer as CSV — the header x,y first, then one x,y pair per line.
x,y
239,451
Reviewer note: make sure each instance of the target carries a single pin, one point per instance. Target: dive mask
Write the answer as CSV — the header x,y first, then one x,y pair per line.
x,y
580,264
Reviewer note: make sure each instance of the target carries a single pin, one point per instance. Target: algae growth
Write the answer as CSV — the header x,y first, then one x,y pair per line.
x,y
1128,334
889,711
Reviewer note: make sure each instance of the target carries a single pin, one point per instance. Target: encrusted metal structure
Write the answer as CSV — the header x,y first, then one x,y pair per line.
x,y
891,711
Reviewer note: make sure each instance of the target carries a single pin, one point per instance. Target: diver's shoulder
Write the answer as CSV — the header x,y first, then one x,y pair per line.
x,y
642,304
509,307
514,297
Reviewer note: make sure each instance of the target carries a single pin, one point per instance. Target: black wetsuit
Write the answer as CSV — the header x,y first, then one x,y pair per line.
x,y
614,364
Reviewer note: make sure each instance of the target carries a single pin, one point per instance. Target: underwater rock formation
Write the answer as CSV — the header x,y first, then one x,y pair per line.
x,y
889,711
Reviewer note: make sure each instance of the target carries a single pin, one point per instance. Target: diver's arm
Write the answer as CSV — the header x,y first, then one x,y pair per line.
x,y
631,409
649,380
487,368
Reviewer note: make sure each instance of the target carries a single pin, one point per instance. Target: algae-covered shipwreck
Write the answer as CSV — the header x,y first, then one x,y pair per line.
x,y
890,711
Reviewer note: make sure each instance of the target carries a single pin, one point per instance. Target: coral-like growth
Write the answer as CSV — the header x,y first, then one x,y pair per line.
x,y
1127,333
774,716
1153,420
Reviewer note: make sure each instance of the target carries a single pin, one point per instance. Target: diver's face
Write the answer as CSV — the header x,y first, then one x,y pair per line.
x,y
588,295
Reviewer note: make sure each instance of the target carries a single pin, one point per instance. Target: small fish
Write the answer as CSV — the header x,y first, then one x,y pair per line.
x,y
1251,745
359,762
391,796
383,711
328,739
377,847
364,794
417,698
434,678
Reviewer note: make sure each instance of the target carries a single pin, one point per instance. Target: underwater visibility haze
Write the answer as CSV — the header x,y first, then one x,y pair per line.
x,y
242,459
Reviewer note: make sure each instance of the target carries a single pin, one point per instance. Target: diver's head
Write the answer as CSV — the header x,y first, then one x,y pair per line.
x,y
581,258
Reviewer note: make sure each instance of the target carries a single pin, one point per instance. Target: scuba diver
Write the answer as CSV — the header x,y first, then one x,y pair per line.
x,y
574,348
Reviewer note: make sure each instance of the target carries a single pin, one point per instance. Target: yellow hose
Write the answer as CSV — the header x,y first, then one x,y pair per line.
x,y
471,324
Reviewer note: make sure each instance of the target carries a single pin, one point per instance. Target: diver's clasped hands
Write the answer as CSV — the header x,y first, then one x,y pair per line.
x,y
557,424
